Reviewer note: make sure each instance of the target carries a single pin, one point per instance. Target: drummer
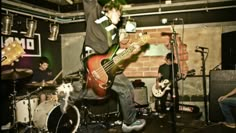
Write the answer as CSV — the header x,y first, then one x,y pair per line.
x,y
43,75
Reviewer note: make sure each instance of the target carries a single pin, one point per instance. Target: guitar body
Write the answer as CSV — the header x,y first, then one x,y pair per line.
x,y
163,87
101,71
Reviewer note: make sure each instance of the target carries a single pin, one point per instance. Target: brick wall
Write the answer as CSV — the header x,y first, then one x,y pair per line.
x,y
147,66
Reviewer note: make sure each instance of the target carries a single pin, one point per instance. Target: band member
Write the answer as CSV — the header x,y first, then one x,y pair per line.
x,y
43,75
165,72
226,102
101,34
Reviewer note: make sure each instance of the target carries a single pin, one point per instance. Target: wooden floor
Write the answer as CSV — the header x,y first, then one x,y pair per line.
x,y
188,123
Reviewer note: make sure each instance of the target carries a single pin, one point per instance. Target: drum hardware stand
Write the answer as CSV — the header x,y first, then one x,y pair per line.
x,y
28,96
14,125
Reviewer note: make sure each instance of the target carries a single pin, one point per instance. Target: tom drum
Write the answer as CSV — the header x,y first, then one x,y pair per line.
x,y
22,112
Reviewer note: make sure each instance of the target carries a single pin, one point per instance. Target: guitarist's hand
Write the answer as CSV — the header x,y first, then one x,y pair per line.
x,y
157,85
137,49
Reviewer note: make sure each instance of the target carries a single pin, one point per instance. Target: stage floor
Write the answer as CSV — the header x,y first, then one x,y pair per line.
x,y
188,123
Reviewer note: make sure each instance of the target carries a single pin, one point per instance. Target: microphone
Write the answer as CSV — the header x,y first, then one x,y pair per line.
x,y
200,51
197,47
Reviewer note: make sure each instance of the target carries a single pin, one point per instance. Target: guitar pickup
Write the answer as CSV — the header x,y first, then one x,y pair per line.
x,y
95,75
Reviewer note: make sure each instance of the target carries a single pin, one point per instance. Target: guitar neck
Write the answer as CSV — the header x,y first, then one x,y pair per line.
x,y
123,54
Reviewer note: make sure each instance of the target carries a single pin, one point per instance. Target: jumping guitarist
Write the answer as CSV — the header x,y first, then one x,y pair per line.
x,y
102,39
165,77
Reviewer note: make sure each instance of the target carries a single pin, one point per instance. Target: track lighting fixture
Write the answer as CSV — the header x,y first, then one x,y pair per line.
x,y
7,23
54,30
31,26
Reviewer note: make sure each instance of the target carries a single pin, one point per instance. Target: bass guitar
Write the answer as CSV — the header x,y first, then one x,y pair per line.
x,y
101,69
165,84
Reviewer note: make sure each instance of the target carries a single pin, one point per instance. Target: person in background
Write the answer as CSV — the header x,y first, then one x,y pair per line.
x,y
43,76
165,72
226,102
102,33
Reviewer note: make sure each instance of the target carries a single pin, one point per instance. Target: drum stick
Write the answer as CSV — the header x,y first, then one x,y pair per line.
x,y
57,76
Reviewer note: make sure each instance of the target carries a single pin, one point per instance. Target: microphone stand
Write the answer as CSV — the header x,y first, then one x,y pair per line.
x,y
173,112
204,86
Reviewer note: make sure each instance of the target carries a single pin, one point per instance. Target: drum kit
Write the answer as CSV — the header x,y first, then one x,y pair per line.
x,y
44,117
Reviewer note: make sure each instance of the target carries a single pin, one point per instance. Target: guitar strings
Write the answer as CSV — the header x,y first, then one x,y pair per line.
x,y
110,64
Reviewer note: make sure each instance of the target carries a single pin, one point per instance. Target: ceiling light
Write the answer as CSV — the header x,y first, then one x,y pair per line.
x,y
130,25
7,23
69,1
54,30
31,26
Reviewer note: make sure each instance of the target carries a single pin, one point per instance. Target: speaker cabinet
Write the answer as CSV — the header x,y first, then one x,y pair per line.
x,y
140,96
221,82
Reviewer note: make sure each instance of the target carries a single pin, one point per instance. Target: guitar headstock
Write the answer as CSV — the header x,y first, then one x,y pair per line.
x,y
11,53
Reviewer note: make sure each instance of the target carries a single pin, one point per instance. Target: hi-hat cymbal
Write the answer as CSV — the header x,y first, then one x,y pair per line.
x,y
40,84
14,74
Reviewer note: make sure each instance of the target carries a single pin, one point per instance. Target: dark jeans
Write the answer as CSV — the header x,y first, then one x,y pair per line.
x,y
124,90
225,106
160,103
123,87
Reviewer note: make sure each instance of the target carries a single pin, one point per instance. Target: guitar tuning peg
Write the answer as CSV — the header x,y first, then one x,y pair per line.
x,y
17,60
8,48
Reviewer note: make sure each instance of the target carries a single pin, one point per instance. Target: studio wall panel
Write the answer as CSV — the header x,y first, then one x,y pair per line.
x,y
72,45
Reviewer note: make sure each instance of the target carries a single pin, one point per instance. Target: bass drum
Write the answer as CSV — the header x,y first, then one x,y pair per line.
x,y
49,118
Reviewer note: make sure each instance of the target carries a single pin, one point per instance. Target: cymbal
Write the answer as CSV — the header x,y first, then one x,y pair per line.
x,y
17,73
41,84
72,77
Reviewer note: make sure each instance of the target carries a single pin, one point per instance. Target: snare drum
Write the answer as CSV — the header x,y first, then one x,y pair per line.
x,y
48,117
22,112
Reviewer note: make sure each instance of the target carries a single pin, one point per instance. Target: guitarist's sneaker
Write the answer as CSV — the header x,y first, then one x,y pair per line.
x,y
161,115
178,116
137,125
230,125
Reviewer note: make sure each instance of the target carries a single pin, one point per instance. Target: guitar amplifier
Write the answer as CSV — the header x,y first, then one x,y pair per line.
x,y
140,96
221,82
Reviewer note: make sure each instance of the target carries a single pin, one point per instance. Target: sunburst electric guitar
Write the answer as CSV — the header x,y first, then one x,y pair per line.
x,y
164,85
11,52
101,69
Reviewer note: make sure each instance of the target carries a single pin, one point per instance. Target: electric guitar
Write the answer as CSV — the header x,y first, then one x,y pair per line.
x,y
11,53
101,69
164,85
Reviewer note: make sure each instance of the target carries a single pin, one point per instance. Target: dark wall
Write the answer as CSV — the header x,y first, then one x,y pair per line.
x,y
190,17
229,51
73,27
51,49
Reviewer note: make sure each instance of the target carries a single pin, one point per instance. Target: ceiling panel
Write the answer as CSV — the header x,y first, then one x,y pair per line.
x,y
67,12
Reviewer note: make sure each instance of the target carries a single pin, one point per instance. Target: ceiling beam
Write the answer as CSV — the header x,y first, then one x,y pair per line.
x,y
78,16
